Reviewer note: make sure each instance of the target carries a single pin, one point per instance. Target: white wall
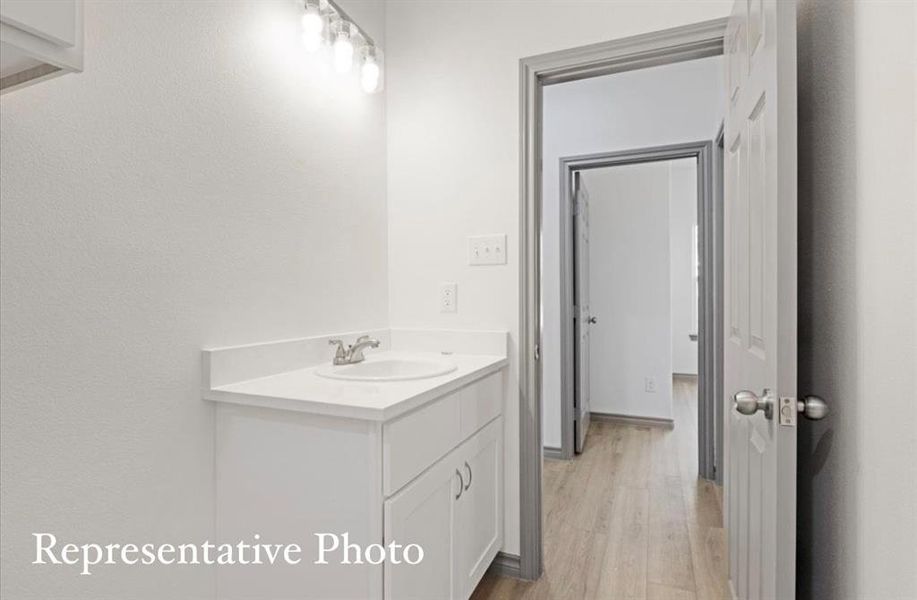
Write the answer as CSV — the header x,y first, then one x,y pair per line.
x,y
664,105
682,219
857,477
629,280
193,187
640,221
452,84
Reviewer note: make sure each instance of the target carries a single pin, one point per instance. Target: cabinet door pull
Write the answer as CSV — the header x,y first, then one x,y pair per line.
x,y
468,485
462,487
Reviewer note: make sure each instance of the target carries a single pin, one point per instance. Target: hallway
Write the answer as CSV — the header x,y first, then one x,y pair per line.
x,y
629,518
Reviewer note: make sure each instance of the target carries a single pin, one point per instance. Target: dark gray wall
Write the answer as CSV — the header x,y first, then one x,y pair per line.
x,y
827,299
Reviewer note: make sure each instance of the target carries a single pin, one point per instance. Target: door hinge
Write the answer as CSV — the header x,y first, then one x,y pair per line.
x,y
537,352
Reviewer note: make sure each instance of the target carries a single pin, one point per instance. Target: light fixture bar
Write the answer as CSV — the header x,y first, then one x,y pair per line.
x,y
343,15
324,23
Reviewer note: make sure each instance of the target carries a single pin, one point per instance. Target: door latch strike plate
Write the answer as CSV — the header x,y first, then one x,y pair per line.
x,y
788,411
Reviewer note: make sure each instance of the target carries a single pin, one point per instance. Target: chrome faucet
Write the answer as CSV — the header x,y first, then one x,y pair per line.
x,y
354,352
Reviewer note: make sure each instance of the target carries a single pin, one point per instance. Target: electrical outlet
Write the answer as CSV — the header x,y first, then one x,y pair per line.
x,y
487,249
649,385
448,297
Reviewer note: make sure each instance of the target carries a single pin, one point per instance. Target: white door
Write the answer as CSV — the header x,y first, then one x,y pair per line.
x,y
760,297
479,510
581,308
424,513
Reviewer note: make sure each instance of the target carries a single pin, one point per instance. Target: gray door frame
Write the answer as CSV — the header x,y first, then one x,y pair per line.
x,y
702,151
689,42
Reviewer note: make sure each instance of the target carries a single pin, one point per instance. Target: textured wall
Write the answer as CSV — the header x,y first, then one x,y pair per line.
x,y
630,289
453,153
199,184
857,477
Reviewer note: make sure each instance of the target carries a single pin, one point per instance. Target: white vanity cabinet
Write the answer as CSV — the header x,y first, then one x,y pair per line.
x,y
430,475
39,39
453,510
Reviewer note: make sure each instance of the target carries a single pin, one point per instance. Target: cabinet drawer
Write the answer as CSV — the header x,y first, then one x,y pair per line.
x,y
414,442
480,403
417,440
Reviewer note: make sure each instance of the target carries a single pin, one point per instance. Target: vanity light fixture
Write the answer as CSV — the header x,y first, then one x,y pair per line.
x,y
325,23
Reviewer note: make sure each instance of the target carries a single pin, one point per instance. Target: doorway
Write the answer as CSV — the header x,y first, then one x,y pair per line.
x,y
682,302
672,46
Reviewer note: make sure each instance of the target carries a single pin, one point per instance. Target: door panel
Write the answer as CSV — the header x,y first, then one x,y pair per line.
x,y
760,298
734,210
756,228
582,310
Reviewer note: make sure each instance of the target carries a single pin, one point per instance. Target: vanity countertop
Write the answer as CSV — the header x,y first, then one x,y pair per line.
x,y
305,391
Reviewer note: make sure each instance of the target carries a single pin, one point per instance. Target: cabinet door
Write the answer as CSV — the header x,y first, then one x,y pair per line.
x,y
52,20
40,40
423,513
479,510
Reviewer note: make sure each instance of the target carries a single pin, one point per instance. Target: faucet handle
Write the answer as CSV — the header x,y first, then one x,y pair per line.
x,y
339,353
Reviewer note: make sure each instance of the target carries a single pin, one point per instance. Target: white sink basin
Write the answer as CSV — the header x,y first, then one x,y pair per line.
x,y
387,369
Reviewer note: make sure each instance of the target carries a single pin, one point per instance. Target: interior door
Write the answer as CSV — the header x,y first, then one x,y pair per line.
x,y
583,318
760,298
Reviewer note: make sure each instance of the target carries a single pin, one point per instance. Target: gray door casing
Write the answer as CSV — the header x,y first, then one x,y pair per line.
x,y
709,346
689,42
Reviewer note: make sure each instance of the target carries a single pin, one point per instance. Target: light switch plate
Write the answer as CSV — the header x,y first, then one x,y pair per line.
x,y
487,249
649,385
448,297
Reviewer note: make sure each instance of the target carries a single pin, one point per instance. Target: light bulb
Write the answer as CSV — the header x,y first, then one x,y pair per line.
x,y
369,75
312,26
343,53
312,22
311,41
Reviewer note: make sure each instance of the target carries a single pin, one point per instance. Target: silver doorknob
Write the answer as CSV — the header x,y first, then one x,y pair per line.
x,y
812,407
748,403
592,320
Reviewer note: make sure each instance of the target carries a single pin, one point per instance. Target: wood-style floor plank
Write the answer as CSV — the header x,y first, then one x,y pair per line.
x,y
669,562
711,562
624,568
629,518
654,591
